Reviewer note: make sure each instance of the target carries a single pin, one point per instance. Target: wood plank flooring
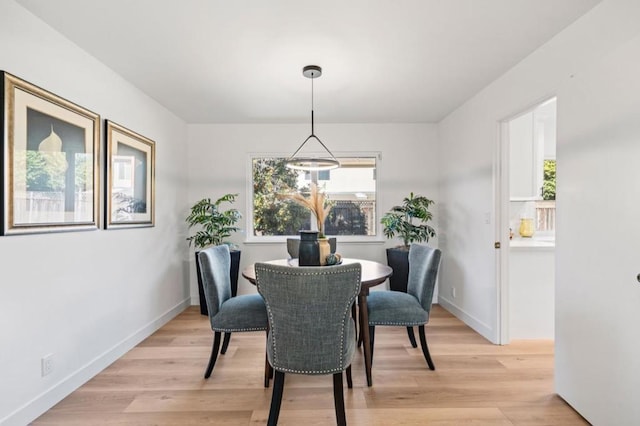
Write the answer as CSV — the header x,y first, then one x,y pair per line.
x,y
160,382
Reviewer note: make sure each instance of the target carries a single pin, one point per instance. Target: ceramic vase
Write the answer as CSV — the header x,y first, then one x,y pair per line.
x,y
309,250
325,249
526,227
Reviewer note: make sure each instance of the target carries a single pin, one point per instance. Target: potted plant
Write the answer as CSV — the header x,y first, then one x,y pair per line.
x,y
409,222
215,226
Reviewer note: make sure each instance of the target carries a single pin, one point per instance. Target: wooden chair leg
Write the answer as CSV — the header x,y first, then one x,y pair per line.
x,y
268,370
214,354
425,348
412,337
349,379
276,398
338,398
225,343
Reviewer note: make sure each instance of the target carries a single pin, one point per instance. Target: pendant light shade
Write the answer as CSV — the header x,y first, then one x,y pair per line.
x,y
312,163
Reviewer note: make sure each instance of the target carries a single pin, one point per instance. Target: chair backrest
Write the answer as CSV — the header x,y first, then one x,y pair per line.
x,y
424,262
293,247
309,310
215,265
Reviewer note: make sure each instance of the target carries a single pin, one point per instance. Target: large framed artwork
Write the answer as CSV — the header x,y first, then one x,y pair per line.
x,y
49,161
130,192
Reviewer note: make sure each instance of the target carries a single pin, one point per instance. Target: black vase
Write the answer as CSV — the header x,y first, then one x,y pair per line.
x,y
309,251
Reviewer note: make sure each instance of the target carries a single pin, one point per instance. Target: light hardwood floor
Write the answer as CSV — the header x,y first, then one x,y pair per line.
x,y
160,382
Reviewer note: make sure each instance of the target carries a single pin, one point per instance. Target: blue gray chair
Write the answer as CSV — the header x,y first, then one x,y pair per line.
x,y
395,308
227,314
311,329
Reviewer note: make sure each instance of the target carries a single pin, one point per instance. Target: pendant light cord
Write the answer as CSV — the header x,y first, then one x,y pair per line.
x,y
312,78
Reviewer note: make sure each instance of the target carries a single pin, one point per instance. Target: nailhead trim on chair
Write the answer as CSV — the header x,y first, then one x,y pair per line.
x,y
403,324
335,370
316,273
231,330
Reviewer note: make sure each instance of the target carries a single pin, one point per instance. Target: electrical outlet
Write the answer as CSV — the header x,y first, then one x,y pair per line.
x,y
453,292
47,364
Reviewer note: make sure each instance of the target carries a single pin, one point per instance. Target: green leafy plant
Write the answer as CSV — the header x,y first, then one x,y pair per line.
x,y
215,225
273,215
400,220
549,182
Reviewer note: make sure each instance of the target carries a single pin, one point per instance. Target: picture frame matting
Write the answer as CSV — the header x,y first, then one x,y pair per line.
x,y
49,160
130,178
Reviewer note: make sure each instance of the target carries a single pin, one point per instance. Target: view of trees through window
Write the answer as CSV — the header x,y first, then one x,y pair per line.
x,y
549,180
350,190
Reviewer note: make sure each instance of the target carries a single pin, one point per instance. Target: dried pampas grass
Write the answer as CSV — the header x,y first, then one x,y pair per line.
x,y
316,202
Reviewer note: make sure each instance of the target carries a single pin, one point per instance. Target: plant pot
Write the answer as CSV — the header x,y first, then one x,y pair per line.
x,y
233,275
398,260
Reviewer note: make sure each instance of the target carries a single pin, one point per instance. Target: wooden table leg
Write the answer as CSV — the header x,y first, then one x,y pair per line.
x,y
268,370
364,332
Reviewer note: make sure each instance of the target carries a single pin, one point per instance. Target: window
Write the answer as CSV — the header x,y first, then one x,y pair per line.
x,y
546,208
351,190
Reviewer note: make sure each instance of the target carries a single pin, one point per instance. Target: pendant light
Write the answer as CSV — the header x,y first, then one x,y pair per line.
x,y
312,163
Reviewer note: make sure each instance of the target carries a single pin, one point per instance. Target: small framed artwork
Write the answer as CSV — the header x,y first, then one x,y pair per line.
x,y
130,193
49,161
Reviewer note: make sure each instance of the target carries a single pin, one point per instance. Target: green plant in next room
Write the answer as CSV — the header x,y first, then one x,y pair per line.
x,y
215,224
409,220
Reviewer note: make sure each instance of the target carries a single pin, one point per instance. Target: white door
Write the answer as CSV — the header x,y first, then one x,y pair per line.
x,y
598,240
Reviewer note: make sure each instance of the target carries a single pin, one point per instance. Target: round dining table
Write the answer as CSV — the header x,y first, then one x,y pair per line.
x,y
372,274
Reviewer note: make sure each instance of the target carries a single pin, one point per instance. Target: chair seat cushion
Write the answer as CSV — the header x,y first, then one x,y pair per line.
x,y
395,308
241,313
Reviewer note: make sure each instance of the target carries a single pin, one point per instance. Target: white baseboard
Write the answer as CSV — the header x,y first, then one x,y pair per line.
x,y
43,402
482,328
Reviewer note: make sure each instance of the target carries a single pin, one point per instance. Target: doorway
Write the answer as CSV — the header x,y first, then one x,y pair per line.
x,y
526,223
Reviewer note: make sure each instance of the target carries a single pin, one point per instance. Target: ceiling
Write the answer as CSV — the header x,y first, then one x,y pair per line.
x,y
222,61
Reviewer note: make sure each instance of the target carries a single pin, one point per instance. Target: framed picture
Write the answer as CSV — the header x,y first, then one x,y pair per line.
x,y
130,178
49,161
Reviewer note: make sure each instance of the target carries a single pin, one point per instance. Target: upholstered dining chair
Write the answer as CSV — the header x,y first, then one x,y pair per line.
x,y
396,308
227,314
310,327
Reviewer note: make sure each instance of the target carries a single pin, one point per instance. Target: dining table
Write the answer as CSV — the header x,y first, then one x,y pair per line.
x,y
372,274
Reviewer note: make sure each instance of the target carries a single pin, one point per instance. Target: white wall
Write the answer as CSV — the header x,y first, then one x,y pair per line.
x,y
531,292
85,297
219,163
521,157
468,139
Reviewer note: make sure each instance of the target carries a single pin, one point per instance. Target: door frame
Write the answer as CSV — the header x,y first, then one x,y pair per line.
x,y
501,208
501,188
